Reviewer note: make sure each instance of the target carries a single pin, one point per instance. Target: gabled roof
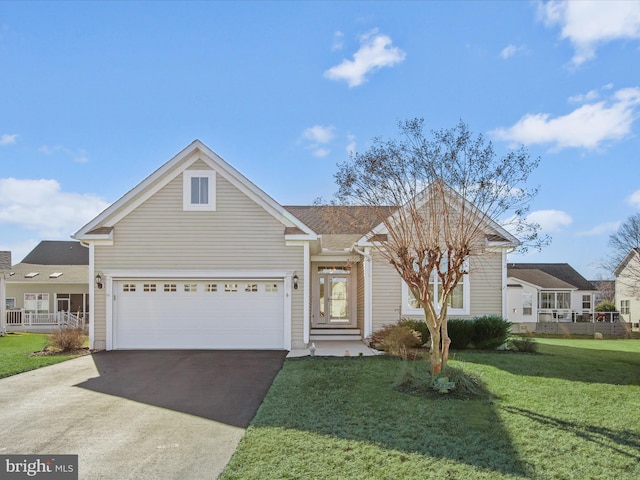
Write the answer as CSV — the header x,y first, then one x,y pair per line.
x,y
5,260
494,233
100,226
549,275
54,252
634,252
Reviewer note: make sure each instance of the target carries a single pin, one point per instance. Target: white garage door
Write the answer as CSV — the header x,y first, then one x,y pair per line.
x,y
224,314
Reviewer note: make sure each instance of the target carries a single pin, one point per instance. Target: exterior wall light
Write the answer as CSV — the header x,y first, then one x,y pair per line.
x,y
295,281
99,283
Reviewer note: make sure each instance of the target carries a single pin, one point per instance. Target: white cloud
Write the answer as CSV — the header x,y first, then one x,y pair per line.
x,y
78,156
511,50
338,41
318,137
19,250
42,206
634,199
590,96
601,229
376,52
351,146
587,24
6,139
588,126
550,220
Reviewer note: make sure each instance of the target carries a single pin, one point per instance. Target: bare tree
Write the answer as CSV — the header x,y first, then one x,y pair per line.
x,y
448,193
624,247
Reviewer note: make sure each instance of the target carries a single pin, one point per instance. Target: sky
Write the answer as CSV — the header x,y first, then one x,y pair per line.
x,y
95,96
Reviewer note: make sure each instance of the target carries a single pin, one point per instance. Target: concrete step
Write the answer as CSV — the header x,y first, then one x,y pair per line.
x,y
335,331
316,337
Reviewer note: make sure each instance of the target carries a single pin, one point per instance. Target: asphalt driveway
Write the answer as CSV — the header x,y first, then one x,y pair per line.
x,y
138,414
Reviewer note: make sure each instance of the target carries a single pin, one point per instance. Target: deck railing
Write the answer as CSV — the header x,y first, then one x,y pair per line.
x,y
26,319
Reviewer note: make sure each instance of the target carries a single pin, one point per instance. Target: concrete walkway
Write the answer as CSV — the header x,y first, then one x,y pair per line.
x,y
138,415
336,348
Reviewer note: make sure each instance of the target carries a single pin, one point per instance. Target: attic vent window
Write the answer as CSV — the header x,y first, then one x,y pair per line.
x,y
199,190
32,275
55,275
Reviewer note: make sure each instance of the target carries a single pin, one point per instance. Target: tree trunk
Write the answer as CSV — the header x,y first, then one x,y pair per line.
x,y
446,341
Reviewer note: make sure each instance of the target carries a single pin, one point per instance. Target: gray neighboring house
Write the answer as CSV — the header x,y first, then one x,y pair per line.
x,y
5,267
49,284
548,292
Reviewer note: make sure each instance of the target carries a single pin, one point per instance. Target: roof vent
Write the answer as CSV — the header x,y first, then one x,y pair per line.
x,y
32,274
55,275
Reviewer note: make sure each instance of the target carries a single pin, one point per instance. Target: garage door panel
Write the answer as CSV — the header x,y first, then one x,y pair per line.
x,y
249,317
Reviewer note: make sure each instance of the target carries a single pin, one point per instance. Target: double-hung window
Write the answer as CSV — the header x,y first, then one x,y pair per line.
x,y
199,190
458,303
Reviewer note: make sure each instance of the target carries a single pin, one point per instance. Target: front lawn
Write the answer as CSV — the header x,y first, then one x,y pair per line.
x,y
570,412
15,349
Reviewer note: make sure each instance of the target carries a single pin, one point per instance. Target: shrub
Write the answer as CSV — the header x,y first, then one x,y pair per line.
x,y
524,344
67,338
419,326
460,332
490,332
605,306
396,339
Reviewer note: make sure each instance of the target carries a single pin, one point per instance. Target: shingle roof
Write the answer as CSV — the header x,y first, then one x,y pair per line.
x,y
562,272
329,219
53,252
5,260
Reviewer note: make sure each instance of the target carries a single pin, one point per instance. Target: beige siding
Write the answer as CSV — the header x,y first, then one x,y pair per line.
x,y
239,235
485,276
387,293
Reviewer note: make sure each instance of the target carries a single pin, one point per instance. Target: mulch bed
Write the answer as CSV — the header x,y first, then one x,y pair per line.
x,y
46,352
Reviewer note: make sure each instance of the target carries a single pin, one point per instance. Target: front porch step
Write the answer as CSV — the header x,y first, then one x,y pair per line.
x,y
314,338
335,331
335,334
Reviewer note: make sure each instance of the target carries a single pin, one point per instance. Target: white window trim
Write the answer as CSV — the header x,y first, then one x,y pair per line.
x,y
407,309
187,175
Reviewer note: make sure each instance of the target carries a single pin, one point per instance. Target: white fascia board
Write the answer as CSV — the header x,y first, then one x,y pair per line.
x,y
301,238
196,274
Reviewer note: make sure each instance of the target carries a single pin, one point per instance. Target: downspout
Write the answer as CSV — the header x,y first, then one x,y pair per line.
x,y
306,294
505,252
92,291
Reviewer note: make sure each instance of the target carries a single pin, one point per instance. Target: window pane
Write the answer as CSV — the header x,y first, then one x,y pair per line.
x,y
527,304
456,299
564,300
195,190
204,190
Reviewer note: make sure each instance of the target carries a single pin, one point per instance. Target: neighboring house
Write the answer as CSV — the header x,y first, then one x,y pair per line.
x,y
627,296
53,278
5,266
548,292
198,257
605,291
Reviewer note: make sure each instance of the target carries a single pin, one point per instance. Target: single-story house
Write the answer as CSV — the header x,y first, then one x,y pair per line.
x,y
198,257
627,296
49,284
548,292
5,266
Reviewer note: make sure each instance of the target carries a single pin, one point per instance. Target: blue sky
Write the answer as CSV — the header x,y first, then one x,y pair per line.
x,y
96,96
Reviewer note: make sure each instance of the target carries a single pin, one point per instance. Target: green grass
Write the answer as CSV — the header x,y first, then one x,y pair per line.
x,y
570,412
15,349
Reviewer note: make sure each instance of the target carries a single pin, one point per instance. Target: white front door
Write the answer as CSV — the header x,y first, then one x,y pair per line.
x,y
333,297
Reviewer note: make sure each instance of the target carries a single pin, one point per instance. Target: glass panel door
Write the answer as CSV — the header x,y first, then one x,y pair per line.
x,y
332,297
338,299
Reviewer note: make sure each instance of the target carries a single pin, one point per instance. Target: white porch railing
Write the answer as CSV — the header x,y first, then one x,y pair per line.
x,y
568,315
26,319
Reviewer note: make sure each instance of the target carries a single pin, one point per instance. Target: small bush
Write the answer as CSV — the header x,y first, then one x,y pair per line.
x,y
605,306
460,332
490,332
67,339
396,339
419,326
524,344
